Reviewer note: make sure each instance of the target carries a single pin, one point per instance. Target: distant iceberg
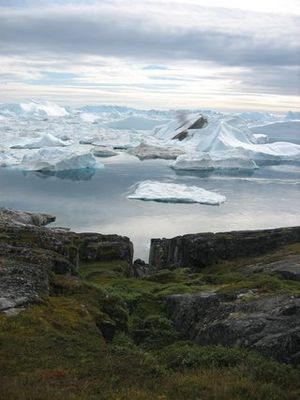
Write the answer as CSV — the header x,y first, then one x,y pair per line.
x,y
46,140
175,193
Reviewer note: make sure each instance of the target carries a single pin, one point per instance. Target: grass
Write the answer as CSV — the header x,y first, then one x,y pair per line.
x,y
56,351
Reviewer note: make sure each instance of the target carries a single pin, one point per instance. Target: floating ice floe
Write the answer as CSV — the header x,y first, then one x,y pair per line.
x,y
226,160
7,159
224,137
46,140
58,159
174,193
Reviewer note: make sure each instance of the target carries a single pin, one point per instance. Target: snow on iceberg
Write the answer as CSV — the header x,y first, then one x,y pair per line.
x,y
48,108
227,134
46,140
58,159
175,193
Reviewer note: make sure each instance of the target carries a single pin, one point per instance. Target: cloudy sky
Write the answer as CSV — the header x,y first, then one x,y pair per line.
x,y
237,54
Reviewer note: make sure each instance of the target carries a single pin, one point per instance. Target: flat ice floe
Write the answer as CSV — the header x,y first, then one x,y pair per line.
x,y
230,160
174,193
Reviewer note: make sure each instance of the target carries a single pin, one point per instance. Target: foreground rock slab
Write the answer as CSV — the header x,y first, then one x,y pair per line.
x,y
270,325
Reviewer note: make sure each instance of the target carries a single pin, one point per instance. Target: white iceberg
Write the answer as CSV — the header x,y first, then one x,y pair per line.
x,y
46,140
226,160
47,108
175,193
7,159
58,159
280,131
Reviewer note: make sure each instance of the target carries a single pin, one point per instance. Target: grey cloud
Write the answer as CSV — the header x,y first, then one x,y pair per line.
x,y
110,34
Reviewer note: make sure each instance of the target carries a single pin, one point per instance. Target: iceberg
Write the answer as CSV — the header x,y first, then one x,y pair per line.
x,y
7,159
58,159
280,131
45,108
226,160
175,193
46,140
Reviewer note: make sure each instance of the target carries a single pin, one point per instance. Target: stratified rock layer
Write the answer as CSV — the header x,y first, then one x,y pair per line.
x,y
197,251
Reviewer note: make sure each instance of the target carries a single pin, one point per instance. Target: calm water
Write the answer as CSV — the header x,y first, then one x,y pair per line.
x,y
96,201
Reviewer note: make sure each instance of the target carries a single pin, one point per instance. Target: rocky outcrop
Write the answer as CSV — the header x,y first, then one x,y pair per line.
x,y
148,152
183,133
270,325
200,250
26,218
288,268
31,254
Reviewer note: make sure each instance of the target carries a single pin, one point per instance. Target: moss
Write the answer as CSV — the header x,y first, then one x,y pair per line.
x,y
56,351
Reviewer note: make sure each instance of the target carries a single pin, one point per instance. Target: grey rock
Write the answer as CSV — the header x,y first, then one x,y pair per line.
x,y
147,152
140,268
26,218
199,250
269,325
30,254
288,268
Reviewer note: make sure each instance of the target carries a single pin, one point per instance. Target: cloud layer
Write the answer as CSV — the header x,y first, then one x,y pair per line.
x,y
91,44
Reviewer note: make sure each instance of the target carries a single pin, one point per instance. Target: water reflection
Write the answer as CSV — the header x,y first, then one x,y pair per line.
x,y
84,174
97,201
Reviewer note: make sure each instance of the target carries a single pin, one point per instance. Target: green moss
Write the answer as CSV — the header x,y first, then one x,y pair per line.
x,y
56,351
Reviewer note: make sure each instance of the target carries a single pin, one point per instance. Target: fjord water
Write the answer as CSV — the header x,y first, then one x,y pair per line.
x,y
96,200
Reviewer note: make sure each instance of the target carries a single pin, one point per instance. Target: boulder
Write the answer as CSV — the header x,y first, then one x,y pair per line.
x,y
26,218
269,325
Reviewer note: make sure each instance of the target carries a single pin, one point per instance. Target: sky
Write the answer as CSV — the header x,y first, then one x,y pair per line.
x,y
225,55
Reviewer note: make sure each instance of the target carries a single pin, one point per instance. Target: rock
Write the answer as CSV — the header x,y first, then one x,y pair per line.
x,y
101,151
22,284
148,152
30,254
140,268
288,268
108,329
21,217
269,325
199,250
200,123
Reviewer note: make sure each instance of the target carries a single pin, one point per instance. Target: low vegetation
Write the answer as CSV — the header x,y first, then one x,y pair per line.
x,y
56,350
